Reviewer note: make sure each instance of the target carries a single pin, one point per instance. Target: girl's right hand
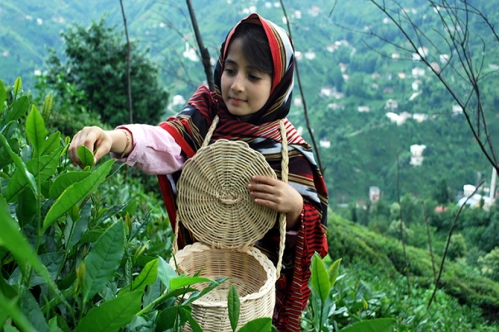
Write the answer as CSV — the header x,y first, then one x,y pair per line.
x,y
95,139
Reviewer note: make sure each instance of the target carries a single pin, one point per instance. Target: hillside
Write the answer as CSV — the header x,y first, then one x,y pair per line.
x,y
349,88
360,248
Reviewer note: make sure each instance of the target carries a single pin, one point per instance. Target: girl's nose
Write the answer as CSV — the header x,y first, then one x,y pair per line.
x,y
237,83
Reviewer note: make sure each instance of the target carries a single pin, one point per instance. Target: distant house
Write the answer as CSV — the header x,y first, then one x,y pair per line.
x,y
401,75
395,56
417,154
475,200
417,72
420,117
457,109
298,102
444,58
423,51
435,66
415,85
325,143
336,106
374,194
363,109
391,104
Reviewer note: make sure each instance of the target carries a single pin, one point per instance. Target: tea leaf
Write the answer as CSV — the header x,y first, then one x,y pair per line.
x,y
86,156
263,324
165,272
36,131
9,307
21,167
52,143
103,260
320,277
19,108
32,311
146,277
334,271
234,307
65,180
11,238
112,315
76,192
46,165
18,84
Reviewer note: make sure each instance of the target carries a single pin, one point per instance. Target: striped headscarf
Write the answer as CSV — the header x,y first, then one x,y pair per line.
x,y
262,133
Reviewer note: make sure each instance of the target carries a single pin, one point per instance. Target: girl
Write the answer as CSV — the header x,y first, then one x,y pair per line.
x,y
254,82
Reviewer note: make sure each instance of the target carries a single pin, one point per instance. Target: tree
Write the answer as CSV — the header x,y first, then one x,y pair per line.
x,y
490,264
441,192
96,65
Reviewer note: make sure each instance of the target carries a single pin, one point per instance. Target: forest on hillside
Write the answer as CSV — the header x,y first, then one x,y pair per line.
x,y
351,81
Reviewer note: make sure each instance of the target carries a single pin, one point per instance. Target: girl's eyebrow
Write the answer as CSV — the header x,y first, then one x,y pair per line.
x,y
231,62
234,63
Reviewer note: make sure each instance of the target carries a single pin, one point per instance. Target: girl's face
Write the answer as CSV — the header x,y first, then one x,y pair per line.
x,y
244,89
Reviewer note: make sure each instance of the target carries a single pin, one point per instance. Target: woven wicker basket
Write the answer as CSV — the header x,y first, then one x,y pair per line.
x,y
214,204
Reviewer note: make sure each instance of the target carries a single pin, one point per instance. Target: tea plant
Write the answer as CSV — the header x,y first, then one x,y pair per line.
x,y
69,261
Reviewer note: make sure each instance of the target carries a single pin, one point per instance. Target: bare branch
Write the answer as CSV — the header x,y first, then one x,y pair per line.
x,y
305,110
129,82
205,55
447,244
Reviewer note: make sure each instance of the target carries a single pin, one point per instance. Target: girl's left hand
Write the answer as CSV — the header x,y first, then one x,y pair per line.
x,y
278,196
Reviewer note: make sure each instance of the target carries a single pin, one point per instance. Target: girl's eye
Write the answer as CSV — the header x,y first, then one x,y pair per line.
x,y
229,71
254,78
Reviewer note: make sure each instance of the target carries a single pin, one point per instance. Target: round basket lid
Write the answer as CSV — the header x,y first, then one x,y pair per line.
x,y
213,198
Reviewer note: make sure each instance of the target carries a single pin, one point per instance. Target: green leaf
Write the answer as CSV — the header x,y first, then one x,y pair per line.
x,y
146,277
18,85
86,156
19,108
320,278
334,270
12,238
262,324
36,131
196,295
52,143
112,315
76,192
44,167
168,318
183,281
21,167
9,307
47,106
32,311
3,95
165,272
103,260
63,181
234,307
373,325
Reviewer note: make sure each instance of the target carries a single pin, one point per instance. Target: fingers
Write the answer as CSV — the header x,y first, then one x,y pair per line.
x,y
92,139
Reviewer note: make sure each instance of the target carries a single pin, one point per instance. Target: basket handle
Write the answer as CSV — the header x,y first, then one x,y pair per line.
x,y
284,178
205,143
210,131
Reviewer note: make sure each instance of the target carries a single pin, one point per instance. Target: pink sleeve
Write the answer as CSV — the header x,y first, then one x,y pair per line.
x,y
154,150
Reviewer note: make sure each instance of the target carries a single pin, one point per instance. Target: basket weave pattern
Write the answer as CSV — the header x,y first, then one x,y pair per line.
x,y
215,205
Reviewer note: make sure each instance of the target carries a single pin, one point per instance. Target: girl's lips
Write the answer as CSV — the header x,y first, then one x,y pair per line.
x,y
236,101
